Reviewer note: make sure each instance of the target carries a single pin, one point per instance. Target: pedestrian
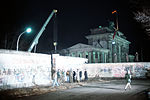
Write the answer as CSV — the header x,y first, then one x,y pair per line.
x,y
58,77
128,79
63,76
85,75
70,76
55,83
77,76
127,58
67,75
80,74
136,57
74,76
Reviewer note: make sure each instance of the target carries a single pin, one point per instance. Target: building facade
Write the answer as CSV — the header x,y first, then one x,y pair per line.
x,y
102,47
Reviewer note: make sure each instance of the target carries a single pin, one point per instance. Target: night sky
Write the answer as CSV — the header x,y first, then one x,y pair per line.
x,y
74,18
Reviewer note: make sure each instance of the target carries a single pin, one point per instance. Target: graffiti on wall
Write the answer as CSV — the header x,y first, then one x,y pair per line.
x,y
20,77
26,74
117,70
139,70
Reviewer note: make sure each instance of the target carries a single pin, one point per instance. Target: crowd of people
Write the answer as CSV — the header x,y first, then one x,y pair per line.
x,y
61,76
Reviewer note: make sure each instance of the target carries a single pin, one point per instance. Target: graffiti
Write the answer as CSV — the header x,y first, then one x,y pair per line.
x,y
118,72
20,77
1,80
105,70
4,71
110,70
9,72
117,69
18,69
139,71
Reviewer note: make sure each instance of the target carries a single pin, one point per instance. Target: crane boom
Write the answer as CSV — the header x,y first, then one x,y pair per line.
x,y
35,41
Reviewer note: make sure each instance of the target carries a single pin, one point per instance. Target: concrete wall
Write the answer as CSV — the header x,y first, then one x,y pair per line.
x,y
117,69
23,69
70,63
67,63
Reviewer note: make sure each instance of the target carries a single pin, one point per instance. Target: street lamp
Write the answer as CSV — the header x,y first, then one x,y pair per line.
x,y
113,42
28,30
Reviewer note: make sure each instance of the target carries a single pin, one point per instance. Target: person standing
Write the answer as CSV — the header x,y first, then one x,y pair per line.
x,y
67,75
77,75
70,76
55,83
127,58
74,74
80,74
128,79
85,75
136,57
58,77
63,76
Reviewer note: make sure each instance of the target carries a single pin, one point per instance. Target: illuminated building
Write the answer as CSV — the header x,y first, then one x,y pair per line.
x,y
101,47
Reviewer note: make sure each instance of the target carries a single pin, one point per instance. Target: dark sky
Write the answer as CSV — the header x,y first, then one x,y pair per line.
x,y
75,19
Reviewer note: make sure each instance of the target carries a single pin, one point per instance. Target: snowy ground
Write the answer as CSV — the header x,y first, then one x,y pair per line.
x,y
95,90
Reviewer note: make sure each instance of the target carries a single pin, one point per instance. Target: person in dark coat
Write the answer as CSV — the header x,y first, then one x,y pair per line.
x,y
74,78
80,75
85,75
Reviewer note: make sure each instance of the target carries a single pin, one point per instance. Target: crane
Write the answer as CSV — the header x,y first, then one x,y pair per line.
x,y
35,41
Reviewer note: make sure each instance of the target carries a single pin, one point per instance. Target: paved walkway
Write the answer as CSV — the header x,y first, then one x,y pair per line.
x,y
95,90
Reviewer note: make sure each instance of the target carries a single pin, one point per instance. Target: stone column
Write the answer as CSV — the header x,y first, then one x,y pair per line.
x,y
76,54
86,55
119,54
102,57
114,52
98,57
93,57
105,58
115,58
89,57
80,55
83,54
110,52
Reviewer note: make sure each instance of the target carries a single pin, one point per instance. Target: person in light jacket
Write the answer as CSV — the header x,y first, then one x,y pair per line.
x,y
128,79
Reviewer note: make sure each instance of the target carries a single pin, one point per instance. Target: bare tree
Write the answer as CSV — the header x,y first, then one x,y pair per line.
x,y
142,14
144,18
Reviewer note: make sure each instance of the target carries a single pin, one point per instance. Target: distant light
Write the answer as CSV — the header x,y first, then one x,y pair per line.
x,y
28,30
100,26
55,10
113,42
114,12
55,43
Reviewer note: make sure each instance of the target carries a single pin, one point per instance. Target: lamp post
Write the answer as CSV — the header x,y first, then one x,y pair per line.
x,y
55,44
28,30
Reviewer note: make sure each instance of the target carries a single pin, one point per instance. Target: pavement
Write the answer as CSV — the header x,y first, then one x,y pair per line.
x,y
91,90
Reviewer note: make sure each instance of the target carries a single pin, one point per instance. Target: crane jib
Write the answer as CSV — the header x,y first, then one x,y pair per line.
x,y
35,41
